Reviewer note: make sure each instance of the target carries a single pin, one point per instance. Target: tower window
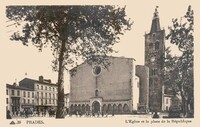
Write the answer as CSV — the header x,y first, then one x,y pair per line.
x,y
157,45
154,36
151,46
153,71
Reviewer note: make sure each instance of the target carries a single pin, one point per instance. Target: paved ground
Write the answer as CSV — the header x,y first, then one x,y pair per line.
x,y
109,116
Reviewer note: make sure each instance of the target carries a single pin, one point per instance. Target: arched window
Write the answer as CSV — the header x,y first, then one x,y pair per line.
x,y
125,108
109,109
87,108
83,108
115,108
104,108
119,108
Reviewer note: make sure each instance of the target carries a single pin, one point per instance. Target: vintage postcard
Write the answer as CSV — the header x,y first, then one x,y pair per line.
x,y
92,63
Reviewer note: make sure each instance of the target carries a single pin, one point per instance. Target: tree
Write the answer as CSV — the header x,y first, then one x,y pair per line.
x,y
181,34
72,31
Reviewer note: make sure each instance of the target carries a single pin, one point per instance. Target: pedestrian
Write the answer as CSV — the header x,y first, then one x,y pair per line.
x,y
107,113
113,112
155,115
17,113
26,113
102,114
8,116
38,113
93,114
13,113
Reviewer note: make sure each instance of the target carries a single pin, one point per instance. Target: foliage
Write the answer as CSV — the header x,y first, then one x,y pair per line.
x,y
180,69
89,30
73,32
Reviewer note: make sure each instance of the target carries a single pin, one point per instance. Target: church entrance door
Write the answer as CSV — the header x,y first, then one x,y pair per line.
x,y
96,107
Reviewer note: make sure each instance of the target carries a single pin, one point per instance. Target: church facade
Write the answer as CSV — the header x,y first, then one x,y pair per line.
x,y
114,89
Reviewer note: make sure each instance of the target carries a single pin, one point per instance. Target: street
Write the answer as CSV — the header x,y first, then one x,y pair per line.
x,y
91,117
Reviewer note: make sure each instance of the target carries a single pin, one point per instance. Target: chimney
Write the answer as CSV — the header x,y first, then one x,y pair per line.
x,y
41,78
47,80
15,84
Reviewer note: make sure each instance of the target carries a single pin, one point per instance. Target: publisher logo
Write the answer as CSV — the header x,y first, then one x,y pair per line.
x,y
13,123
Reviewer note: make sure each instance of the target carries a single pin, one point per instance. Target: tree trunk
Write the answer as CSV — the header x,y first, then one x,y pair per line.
x,y
183,104
60,104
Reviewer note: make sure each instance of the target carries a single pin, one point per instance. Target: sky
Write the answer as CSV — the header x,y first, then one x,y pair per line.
x,y
19,61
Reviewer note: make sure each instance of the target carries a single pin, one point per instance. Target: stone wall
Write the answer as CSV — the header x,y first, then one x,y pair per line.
x,y
112,84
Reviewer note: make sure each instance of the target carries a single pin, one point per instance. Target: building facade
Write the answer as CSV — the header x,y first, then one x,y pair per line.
x,y
45,93
167,102
94,88
143,73
154,52
19,98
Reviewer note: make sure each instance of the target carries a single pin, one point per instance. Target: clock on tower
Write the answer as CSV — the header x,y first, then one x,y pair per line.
x,y
154,50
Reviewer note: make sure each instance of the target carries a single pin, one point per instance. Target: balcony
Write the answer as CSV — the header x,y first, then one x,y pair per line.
x,y
28,104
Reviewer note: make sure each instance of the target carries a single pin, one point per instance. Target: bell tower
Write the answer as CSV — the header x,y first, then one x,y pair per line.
x,y
154,52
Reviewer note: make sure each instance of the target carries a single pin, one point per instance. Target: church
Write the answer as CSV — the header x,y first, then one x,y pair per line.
x,y
122,87
94,88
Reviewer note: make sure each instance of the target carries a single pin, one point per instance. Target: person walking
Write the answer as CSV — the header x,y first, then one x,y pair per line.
x,y
155,115
113,112
102,113
8,116
26,113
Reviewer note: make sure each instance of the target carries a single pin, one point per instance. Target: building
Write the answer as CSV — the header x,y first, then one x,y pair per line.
x,y
143,73
154,52
115,89
19,98
167,102
46,92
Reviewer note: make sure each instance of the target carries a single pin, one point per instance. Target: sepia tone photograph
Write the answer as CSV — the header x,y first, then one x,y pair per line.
x,y
122,63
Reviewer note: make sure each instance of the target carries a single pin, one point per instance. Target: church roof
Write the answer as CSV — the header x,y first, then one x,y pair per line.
x,y
122,57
